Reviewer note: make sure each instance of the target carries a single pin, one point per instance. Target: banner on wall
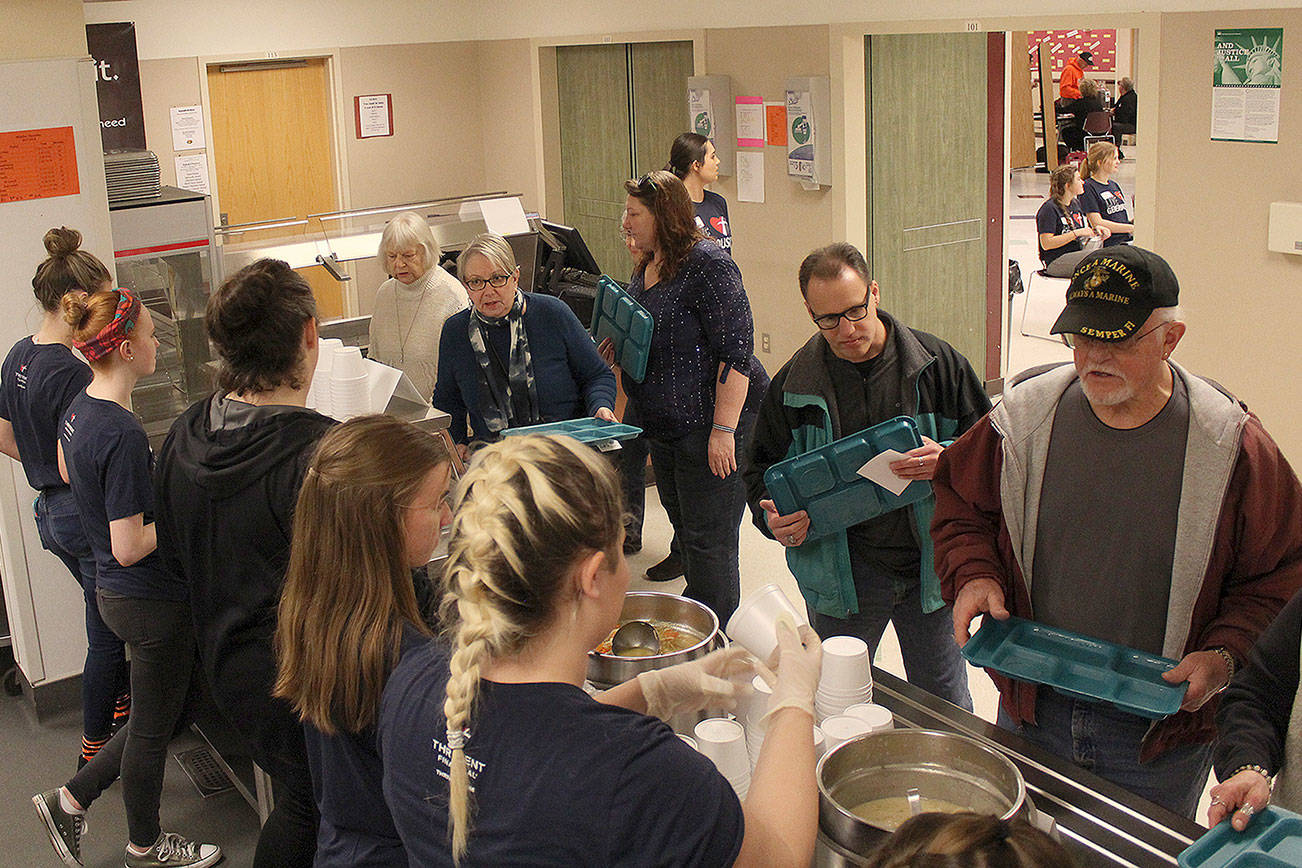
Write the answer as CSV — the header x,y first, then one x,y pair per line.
x,y
800,138
1247,71
117,84
702,114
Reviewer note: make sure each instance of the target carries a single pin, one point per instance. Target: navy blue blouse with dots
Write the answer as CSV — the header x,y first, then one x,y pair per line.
x,y
702,317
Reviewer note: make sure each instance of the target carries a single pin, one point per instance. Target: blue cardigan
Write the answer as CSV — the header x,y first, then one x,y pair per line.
x,y
572,378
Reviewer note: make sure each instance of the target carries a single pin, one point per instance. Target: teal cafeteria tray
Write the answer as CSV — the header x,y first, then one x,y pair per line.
x,y
1076,665
1272,840
617,316
825,482
585,430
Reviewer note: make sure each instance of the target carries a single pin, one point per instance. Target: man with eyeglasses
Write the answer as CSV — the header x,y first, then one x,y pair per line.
x,y
1123,498
863,367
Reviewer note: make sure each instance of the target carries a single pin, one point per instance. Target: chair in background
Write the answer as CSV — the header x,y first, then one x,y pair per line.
x,y
1097,128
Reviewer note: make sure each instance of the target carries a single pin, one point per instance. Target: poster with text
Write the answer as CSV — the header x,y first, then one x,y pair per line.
x,y
800,138
1247,71
117,85
698,105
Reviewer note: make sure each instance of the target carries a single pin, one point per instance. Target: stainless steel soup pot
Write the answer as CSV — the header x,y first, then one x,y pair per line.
x,y
607,670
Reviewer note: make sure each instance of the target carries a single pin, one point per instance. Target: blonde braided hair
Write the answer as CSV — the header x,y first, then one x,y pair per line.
x,y
525,512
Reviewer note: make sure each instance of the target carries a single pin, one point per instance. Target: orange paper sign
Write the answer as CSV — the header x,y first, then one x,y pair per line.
x,y
38,164
775,118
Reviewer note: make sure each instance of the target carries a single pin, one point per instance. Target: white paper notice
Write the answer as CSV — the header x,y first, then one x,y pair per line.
x,y
187,128
750,122
504,216
192,172
373,116
750,176
879,471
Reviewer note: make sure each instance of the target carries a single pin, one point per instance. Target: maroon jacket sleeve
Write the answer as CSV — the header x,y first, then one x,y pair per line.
x,y
1256,562
967,528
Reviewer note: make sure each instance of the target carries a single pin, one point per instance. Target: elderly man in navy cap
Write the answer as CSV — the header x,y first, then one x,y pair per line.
x,y
1124,498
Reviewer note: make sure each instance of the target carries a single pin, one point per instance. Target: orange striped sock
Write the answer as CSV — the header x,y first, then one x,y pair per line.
x,y
121,708
91,746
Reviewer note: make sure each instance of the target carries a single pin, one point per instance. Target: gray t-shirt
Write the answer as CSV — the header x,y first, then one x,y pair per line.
x,y
1105,537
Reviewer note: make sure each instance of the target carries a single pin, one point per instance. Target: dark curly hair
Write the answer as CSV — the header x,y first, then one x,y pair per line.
x,y
256,320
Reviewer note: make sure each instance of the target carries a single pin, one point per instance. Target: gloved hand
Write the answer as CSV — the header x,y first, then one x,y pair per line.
x,y
800,663
713,681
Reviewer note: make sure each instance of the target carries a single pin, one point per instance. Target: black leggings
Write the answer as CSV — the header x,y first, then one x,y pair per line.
x,y
288,838
161,640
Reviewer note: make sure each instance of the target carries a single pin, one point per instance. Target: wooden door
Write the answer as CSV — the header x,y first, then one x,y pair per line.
x,y
927,183
272,145
596,141
659,71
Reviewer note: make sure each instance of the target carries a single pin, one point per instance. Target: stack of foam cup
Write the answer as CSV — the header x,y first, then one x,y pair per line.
x,y
820,742
754,625
878,717
688,740
318,394
724,742
847,677
840,728
750,711
349,394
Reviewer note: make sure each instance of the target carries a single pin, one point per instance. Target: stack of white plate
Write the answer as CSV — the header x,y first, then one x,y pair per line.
x,y
847,677
350,393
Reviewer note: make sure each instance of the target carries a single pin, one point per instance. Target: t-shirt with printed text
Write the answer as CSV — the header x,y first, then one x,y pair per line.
x,y
37,383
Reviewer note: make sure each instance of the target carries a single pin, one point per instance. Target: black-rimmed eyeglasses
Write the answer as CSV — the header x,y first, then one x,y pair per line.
x,y
829,321
475,284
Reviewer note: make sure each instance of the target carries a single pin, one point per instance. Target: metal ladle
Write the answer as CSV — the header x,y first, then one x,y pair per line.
x,y
915,801
635,639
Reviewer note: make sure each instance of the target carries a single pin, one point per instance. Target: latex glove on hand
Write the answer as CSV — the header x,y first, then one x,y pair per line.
x,y
800,663
715,681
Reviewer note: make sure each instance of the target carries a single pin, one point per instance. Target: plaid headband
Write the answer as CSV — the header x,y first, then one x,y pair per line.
x,y
112,335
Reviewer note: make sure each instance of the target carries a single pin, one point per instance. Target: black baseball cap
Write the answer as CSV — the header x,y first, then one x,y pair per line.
x,y
1114,290
1088,57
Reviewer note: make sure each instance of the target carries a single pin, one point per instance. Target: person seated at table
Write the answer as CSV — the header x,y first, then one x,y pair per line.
x,y
1062,232
969,840
1259,727
1073,132
514,358
535,578
412,305
1125,113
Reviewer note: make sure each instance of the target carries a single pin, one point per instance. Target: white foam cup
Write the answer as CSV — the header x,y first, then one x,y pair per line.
x,y
688,740
820,742
348,363
841,728
846,666
876,716
724,742
754,625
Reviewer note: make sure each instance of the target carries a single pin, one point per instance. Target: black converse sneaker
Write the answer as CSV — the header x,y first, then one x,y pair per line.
x,y
65,829
173,851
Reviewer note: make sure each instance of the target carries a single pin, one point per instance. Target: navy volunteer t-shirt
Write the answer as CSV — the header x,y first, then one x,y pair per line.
x,y
110,467
559,778
37,383
1109,202
712,218
356,830
1052,219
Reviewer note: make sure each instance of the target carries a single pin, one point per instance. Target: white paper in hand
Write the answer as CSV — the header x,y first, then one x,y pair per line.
x,y
879,471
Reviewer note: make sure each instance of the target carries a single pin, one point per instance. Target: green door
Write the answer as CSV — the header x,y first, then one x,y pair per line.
x,y
621,106
926,97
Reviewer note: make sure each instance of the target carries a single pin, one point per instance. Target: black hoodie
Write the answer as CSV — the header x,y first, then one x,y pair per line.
x,y
227,480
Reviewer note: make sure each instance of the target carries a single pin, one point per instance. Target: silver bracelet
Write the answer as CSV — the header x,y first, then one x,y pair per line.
x,y
1230,665
1253,767
724,428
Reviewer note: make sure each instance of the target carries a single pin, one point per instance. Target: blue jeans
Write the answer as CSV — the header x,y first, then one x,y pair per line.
x,y
1105,740
705,512
104,675
931,658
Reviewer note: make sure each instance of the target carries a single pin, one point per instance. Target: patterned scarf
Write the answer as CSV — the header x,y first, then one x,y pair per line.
x,y
118,330
512,401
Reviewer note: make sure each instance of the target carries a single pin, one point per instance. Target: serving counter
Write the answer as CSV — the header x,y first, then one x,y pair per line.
x,y
1100,823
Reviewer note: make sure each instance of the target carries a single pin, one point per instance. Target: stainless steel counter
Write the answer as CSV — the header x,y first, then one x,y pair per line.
x,y
1100,823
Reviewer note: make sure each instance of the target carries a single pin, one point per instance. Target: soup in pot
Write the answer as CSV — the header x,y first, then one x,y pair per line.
x,y
891,812
673,638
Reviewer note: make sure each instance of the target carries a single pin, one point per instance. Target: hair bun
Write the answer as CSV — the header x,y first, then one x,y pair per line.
x,y
75,307
62,241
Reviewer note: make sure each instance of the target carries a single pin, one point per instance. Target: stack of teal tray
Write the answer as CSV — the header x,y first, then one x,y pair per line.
x,y
1272,840
617,316
826,484
585,430
1076,665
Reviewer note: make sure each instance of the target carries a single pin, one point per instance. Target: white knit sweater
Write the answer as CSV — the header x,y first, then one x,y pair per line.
x,y
407,320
